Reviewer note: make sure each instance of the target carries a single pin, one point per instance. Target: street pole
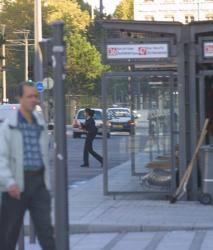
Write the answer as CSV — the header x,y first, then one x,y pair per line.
x,y
92,11
61,187
4,81
26,33
38,65
101,9
4,73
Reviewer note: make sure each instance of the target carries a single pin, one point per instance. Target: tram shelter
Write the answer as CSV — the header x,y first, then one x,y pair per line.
x,y
164,73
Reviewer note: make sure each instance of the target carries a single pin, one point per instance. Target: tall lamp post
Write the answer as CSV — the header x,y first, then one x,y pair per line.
x,y
26,33
101,8
38,67
4,82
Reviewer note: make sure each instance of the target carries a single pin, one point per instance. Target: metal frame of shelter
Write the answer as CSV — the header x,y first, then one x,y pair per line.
x,y
185,43
166,67
144,75
198,67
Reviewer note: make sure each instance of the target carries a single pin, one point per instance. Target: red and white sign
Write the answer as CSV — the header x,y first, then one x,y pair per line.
x,y
137,51
208,49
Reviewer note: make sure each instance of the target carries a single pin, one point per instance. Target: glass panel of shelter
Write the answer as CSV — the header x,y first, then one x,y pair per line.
x,y
143,149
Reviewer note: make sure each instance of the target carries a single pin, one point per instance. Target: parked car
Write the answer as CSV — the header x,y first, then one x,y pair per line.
x,y
7,109
80,118
121,120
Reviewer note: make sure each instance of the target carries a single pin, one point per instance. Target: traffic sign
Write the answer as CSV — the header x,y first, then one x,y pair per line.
x,y
39,87
48,83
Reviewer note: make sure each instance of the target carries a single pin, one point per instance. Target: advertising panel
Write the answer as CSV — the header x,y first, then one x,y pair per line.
x,y
137,51
208,49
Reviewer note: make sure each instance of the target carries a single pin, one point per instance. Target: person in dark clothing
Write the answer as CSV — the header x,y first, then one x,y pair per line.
x,y
91,130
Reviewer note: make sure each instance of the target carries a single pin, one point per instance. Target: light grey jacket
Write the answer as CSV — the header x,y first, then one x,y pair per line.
x,y
11,152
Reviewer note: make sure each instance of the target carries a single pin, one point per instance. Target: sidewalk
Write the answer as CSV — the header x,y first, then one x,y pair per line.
x,y
133,221
91,212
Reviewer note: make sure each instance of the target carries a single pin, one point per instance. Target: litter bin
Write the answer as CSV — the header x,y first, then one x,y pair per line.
x,y
206,195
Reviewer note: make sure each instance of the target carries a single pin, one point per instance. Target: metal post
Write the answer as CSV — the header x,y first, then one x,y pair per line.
x,y
92,11
172,131
182,89
201,101
4,82
193,184
38,67
101,8
26,33
61,195
105,154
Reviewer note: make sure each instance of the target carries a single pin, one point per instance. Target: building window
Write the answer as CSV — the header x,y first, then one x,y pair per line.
x,y
149,18
189,18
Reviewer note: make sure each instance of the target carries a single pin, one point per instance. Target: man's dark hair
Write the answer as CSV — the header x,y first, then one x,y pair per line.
x,y
20,87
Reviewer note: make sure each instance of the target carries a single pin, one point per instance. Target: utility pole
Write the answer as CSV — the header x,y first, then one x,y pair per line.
x,y
101,9
61,194
92,11
26,33
4,81
38,67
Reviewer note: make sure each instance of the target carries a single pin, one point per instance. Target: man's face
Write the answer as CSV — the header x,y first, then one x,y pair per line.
x,y
29,100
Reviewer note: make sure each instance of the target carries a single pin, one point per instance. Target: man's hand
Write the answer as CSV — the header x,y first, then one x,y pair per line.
x,y
14,191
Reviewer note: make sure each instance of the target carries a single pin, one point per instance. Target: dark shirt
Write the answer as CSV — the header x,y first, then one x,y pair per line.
x,y
31,135
90,127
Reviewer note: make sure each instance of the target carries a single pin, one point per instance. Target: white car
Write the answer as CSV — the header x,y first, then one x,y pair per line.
x,y
80,118
7,109
121,120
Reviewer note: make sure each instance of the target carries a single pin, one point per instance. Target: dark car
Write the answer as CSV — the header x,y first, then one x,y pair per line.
x,y
121,120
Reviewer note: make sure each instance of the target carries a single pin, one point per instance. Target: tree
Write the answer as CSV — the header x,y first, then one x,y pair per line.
x,y
70,12
83,64
83,67
125,10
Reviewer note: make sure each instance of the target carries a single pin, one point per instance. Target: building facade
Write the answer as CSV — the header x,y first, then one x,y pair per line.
x,y
184,11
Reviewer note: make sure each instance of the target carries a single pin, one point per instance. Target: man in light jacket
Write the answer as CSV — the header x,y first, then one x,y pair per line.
x,y
23,172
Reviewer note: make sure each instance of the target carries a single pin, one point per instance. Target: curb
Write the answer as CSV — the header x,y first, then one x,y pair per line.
x,y
97,228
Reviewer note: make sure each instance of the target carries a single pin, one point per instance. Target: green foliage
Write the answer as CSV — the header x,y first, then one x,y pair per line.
x,y
125,10
83,64
70,12
84,6
83,67
18,15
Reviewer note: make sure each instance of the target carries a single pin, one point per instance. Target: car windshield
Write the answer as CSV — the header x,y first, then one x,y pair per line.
x,y
119,113
97,115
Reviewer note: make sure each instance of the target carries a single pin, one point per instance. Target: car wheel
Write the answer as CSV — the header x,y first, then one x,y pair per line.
x,y
76,135
108,135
